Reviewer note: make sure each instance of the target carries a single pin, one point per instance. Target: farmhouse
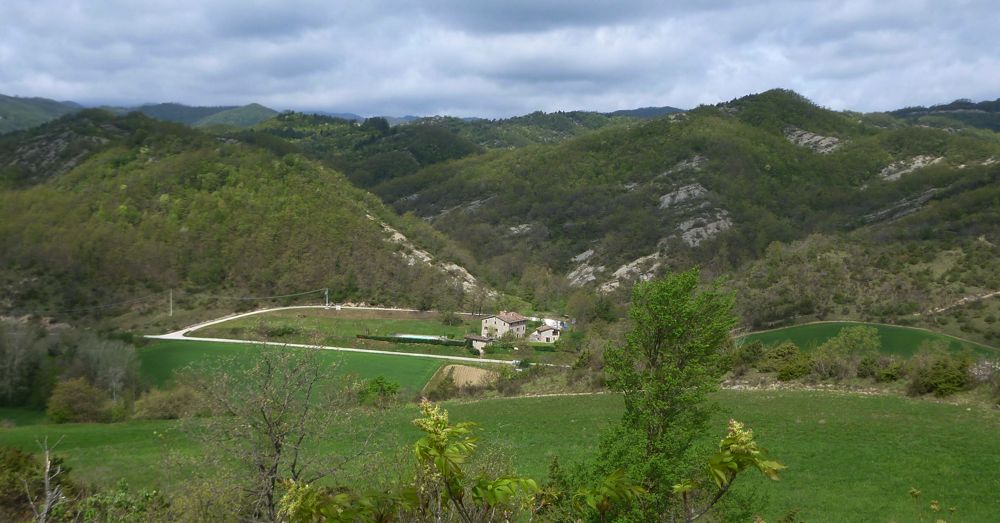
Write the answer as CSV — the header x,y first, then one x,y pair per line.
x,y
505,322
545,334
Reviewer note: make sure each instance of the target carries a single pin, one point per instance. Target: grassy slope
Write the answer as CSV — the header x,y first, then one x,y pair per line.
x,y
896,340
159,361
849,457
339,327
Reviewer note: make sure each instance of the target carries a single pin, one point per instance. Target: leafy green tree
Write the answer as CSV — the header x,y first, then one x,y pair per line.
x,y
670,361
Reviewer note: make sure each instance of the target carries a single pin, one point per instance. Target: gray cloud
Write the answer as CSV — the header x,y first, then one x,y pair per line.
x,y
498,58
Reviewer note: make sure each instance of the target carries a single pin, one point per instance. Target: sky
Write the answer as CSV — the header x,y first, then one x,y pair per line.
x,y
498,58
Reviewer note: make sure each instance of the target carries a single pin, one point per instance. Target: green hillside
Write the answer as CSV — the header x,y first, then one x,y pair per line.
x,y
717,186
22,113
240,117
141,206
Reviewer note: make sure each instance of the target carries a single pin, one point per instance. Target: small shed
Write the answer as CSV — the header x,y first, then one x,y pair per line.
x,y
478,343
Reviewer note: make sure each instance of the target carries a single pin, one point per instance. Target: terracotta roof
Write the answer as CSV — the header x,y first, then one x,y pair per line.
x,y
509,317
545,328
475,337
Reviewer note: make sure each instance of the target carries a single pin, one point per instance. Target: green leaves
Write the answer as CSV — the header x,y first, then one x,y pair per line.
x,y
502,490
615,490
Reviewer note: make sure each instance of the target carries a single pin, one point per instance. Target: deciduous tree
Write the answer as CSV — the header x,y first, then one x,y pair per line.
x,y
669,363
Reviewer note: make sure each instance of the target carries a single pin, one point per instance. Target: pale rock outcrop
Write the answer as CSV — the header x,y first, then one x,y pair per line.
x,y
815,142
682,194
641,269
583,256
412,255
694,164
520,229
895,170
696,230
584,274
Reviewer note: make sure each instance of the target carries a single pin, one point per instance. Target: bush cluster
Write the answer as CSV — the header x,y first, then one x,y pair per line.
x,y
934,370
854,353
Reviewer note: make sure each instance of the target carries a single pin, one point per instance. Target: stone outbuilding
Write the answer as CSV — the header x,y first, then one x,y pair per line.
x,y
479,343
545,334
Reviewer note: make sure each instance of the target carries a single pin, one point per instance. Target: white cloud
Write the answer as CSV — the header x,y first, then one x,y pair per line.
x,y
496,58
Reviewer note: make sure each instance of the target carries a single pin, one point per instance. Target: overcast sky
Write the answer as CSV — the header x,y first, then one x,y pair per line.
x,y
498,58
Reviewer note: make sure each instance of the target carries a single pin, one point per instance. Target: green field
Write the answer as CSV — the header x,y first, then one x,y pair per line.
x,y
341,328
849,457
333,327
161,359
904,341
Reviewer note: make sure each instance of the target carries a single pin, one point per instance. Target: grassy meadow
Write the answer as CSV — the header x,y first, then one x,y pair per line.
x,y
333,327
158,362
850,457
904,341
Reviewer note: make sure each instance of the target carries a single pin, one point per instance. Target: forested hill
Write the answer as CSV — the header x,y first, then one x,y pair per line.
x,y
715,185
101,208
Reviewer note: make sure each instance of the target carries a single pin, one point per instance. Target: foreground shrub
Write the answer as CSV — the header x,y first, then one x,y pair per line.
x,y
77,400
178,402
121,504
934,370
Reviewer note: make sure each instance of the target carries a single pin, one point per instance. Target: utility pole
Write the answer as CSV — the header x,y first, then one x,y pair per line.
x,y
171,302
326,297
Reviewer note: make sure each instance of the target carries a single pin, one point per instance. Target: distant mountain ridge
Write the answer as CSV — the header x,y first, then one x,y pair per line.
x,y
985,114
22,113
18,113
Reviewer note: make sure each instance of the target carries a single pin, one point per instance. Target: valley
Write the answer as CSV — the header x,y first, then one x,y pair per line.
x,y
859,251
